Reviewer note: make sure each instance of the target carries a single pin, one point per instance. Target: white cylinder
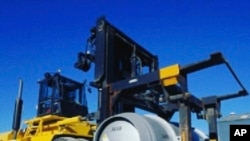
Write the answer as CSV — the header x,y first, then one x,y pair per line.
x,y
134,127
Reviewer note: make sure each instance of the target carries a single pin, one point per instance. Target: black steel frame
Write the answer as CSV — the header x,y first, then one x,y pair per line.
x,y
121,88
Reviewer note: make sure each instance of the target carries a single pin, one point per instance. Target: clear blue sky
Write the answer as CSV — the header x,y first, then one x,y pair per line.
x,y
43,36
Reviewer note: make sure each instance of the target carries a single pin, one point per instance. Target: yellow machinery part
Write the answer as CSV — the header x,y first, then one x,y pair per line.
x,y
169,75
6,136
48,127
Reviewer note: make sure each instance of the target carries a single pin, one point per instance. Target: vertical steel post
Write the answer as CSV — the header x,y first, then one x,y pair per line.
x,y
211,117
212,112
185,122
104,110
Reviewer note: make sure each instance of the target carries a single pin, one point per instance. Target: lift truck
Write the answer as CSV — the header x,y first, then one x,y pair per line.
x,y
61,113
127,76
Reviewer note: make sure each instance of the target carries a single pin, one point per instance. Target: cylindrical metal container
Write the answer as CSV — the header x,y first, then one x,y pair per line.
x,y
135,127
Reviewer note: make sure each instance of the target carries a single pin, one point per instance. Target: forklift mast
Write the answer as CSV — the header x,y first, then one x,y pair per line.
x,y
61,96
127,76
117,57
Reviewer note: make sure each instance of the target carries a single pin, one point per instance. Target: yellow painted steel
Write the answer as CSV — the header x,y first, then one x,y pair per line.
x,y
169,75
47,127
6,136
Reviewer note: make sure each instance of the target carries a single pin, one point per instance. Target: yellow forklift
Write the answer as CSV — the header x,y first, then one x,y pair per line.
x,y
62,113
126,76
